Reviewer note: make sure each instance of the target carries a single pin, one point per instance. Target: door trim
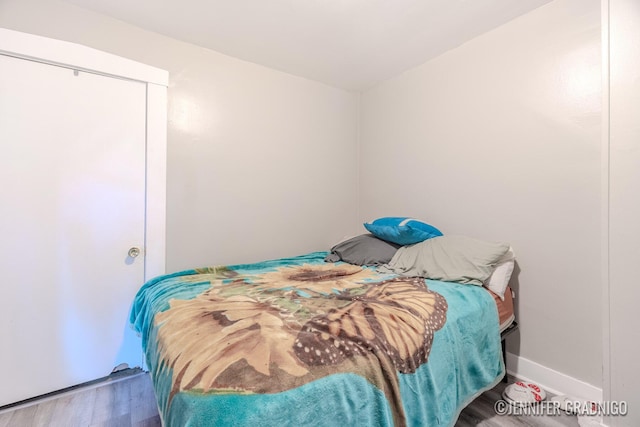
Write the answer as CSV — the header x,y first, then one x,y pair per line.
x,y
156,189
77,56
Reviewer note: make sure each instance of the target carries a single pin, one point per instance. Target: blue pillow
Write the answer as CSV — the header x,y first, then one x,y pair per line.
x,y
402,230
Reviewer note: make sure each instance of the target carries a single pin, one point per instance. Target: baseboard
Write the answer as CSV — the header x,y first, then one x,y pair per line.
x,y
552,381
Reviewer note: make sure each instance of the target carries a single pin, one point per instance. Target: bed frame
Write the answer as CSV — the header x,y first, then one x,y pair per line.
x,y
503,335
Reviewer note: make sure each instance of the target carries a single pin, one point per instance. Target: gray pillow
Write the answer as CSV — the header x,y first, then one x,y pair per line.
x,y
365,249
448,258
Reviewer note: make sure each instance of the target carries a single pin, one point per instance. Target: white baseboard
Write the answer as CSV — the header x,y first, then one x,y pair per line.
x,y
552,381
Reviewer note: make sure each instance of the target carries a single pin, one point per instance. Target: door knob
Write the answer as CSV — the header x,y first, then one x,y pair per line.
x,y
134,252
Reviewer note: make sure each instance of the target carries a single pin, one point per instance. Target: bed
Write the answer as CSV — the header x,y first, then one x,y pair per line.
x,y
301,341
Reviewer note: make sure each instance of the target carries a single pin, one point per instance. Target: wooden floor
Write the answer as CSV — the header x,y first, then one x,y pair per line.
x,y
123,402
481,412
129,401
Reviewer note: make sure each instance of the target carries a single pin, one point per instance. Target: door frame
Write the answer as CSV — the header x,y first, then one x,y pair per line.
x,y
83,58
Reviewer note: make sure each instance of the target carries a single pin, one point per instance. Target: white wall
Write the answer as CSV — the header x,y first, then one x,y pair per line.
x,y
624,207
500,139
497,139
261,164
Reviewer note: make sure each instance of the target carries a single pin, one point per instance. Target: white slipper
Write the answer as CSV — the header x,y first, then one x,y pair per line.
x,y
572,405
587,421
523,393
565,403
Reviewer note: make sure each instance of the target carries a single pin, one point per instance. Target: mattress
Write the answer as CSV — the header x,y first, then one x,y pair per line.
x,y
297,341
506,315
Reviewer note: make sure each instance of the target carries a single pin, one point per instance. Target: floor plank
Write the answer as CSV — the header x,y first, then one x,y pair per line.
x,y
74,410
143,401
149,422
113,403
24,417
5,418
44,413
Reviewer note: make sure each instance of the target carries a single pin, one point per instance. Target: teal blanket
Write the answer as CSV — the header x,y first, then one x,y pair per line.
x,y
298,341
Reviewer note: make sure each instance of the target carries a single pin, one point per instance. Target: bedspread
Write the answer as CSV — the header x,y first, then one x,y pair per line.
x,y
298,341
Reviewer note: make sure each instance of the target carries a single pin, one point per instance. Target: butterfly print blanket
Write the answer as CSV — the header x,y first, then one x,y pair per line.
x,y
299,341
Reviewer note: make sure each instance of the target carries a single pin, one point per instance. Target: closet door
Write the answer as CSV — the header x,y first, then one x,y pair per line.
x,y
72,201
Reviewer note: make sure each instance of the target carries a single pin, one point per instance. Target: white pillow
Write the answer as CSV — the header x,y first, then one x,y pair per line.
x,y
499,279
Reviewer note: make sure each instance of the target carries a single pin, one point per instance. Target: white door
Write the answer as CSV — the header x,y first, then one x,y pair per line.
x,y
72,204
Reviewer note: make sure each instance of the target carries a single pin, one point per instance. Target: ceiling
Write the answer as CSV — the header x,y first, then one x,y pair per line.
x,y
351,44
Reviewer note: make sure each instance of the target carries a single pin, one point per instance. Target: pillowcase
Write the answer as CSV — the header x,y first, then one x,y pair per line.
x,y
402,230
448,258
365,249
499,279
